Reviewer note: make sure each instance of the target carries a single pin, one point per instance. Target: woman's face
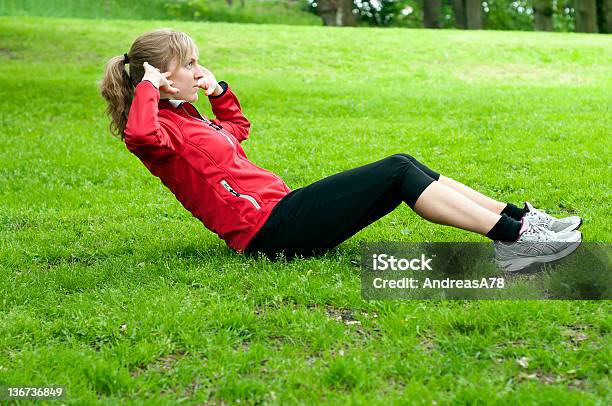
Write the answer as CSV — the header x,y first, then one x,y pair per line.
x,y
185,78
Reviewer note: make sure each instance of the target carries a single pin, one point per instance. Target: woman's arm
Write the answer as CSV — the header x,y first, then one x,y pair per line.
x,y
228,113
143,126
225,105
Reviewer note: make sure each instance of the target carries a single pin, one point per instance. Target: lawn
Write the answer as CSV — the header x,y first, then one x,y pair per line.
x,y
286,12
109,287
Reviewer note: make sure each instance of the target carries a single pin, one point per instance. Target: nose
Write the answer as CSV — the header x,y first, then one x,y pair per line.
x,y
198,73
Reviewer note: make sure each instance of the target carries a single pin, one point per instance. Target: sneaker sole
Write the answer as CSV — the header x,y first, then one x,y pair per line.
x,y
522,263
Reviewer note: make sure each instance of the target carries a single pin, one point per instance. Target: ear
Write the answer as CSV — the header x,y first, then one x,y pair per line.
x,y
173,66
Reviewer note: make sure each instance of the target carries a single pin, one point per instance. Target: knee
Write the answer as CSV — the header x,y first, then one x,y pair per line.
x,y
400,160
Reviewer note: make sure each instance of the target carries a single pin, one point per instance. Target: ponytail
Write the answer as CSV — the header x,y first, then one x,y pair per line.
x,y
118,90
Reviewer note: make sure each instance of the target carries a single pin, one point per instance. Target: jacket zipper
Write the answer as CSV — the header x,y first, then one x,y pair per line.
x,y
211,124
228,139
247,197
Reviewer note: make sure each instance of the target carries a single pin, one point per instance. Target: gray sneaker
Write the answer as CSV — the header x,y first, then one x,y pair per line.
x,y
553,224
536,243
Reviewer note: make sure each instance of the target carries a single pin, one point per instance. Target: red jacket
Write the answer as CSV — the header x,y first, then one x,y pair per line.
x,y
202,162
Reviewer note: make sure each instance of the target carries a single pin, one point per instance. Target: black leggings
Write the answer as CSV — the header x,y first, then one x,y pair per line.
x,y
313,219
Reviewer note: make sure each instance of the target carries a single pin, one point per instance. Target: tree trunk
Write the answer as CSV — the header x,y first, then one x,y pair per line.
x,y
327,11
459,11
468,14
543,15
432,10
337,12
604,16
347,18
586,15
473,13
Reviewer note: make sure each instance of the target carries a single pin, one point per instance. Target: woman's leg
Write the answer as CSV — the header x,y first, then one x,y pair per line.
x,y
484,201
443,205
325,213
450,203
479,198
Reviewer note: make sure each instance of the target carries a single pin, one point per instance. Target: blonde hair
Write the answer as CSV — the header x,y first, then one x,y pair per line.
x,y
160,48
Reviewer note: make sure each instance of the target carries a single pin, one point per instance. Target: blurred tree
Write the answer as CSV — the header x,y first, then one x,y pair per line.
x,y
459,10
337,12
508,15
473,14
543,15
432,13
563,17
526,15
586,15
604,16
468,14
389,13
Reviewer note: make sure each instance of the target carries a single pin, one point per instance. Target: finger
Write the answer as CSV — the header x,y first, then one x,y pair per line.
x,y
167,74
170,89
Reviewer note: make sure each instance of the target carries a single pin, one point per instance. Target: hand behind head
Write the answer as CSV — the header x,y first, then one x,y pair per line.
x,y
159,79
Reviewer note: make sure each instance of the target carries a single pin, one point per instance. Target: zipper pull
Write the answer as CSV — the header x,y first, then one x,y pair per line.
x,y
229,188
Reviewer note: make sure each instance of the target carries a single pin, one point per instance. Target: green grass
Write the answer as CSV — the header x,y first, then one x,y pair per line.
x,y
111,288
109,9
252,11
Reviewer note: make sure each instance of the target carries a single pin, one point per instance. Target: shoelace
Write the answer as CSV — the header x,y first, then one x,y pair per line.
x,y
541,217
539,230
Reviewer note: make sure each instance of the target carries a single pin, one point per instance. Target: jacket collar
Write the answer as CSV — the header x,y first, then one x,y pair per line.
x,y
173,103
180,107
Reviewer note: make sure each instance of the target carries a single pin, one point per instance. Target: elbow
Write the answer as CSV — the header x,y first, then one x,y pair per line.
x,y
128,135
137,138
131,137
247,129
131,132
243,130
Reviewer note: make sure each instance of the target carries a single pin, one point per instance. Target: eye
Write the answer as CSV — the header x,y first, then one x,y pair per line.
x,y
190,64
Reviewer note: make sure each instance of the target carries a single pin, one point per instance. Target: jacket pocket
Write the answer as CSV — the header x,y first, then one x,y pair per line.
x,y
250,198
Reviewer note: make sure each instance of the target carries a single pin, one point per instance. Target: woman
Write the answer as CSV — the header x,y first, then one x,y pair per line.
x,y
202,162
